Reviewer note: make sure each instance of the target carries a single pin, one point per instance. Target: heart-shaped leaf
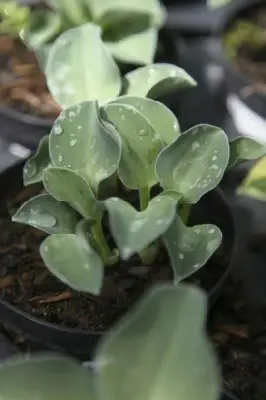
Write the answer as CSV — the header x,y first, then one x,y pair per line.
x,y
244,149
133,230
80,68
80,142
66,185
45,377
34,167
159,116
47,214
72,260
141,145
137,49
194,163
156,80
99,8
190,248
254,185
160,349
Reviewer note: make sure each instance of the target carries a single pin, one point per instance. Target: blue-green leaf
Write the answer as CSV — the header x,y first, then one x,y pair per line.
x,y
35,165
194,163
243,149
189,248
72,260
47,214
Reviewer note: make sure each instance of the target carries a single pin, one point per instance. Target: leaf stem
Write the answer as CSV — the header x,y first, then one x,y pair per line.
x,y
100,238
184,212
144,198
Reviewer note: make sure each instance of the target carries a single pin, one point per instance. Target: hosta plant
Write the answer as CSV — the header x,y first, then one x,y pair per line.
x,y
138,140
129,28
160,349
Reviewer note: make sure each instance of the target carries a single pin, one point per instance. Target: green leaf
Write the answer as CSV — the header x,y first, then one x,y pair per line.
x,y
66,185
254,185
160,350
80,68
194,163
72,260
140,146
80,142
217,3
47,214
99,8
138,49
243,149
189,248
76,12
133,230
45,377
44,26
159,116
156,80
35,165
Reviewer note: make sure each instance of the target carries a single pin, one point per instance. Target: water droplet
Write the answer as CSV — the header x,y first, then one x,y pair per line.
x,y
181,256
57,129
73,142
122,117
214,158
196,266
79,127
30,169
195,145
72,114
212,230
60,158
46,221
159,222
126,253
143,132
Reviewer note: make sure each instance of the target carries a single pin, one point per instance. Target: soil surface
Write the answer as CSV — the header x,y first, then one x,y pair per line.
x,y
245,43
22,83
26,283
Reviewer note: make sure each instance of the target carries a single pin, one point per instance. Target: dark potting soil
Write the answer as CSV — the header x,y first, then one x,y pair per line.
x,y
26,283
22,83
245,42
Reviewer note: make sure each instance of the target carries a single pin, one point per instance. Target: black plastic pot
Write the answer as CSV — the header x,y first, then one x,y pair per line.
x,y
213,209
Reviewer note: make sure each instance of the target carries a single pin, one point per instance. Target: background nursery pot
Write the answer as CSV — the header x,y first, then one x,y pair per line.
x,y
81,343
237,81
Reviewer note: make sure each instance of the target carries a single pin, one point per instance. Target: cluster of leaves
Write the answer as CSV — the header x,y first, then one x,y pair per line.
x,y
160,349
129,29
137,141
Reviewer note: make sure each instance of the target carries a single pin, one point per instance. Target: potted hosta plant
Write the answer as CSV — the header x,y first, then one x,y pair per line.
x,y
126,201
165,329
25,98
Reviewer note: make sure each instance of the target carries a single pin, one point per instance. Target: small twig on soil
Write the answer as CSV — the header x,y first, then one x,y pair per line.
x,y
6,281
239,331
54,298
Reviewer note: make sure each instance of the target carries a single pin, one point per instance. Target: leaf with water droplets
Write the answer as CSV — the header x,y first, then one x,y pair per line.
x,y
47,214
243,149
163,340
80,68
45,376
194,163
72,260
139,48
133,231
35,165
66,185
80,142
189,248
156,80
159,116
140,145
